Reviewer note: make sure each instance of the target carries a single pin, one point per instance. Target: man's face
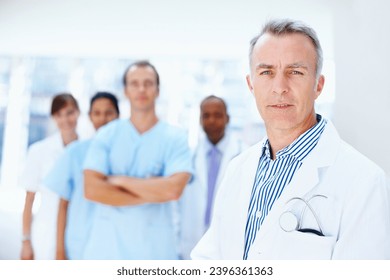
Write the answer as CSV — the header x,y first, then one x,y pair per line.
x,y
141,88
213,118
283,80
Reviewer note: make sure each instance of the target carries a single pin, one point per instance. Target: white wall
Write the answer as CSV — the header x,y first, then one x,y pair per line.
x,y
213,28
148,27
218,28
362,55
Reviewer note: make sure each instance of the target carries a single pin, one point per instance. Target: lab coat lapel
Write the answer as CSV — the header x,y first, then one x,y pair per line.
x,y
232,150
200,182
56,143
201,164
247,175
306,178
323,155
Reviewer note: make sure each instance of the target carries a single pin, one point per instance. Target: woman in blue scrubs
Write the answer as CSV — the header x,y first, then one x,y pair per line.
x,y
66,179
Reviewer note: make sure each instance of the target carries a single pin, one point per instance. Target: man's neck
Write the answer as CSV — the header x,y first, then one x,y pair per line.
x,y
281,138
143,121
215,141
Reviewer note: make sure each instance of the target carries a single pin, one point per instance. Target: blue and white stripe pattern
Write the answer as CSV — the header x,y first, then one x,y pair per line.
x,y
273,175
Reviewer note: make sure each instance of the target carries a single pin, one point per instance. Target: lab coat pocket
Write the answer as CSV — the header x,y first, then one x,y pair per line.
x,y
293,245
304,246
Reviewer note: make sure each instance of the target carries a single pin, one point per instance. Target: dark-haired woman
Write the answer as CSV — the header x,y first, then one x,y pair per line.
x,y
39,228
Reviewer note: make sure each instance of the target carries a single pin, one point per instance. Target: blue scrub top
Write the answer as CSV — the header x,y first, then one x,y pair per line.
x,y
144,231
66,179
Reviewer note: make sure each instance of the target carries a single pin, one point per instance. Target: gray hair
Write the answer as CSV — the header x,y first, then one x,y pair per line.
x,y
285,27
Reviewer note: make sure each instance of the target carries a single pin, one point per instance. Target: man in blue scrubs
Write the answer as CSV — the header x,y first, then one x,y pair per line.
x,y
135,169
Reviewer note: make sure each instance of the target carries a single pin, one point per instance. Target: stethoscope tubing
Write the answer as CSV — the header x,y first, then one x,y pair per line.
x,y
299,222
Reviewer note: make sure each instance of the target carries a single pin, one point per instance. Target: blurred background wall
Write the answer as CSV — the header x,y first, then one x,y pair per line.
x,y
199,47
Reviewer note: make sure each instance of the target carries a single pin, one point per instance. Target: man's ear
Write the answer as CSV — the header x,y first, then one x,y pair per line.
x,y
320,85
249,82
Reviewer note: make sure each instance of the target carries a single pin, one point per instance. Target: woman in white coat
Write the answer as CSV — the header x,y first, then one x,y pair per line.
x,y
302,193
39,229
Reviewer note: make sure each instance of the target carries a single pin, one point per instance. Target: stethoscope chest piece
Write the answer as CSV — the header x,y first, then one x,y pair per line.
x,y
288,221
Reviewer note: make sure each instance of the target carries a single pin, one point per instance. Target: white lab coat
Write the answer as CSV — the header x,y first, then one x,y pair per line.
x,y
193,202
40,159
355,216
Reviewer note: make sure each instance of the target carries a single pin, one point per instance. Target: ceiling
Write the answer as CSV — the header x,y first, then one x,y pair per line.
x,y
149,27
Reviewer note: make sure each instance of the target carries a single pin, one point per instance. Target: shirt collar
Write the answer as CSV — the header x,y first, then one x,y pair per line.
x,y
300,141
221,145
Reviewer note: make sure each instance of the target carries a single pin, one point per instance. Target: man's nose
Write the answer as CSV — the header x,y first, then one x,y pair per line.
x,y
280,84
212,120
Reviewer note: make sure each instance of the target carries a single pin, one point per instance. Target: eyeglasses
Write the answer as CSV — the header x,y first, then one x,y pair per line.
x,y
146,84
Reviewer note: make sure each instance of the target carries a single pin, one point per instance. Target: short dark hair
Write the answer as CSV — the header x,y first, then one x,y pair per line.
x,y
285,27
141,63
107,95
61,100
210,97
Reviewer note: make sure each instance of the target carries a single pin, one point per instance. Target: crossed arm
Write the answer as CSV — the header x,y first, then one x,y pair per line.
x,y
123,190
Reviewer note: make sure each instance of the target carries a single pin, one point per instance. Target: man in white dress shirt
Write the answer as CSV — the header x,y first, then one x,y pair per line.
x,y
210,159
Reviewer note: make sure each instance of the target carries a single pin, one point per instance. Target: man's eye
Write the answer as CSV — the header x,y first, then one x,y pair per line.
x,y
295,72
148,84
266,72
133,84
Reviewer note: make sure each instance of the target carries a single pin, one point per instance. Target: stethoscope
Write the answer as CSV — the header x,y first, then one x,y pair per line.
x,y
289,222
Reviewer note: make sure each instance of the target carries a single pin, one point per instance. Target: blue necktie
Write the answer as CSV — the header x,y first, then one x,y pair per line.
x,y
214,162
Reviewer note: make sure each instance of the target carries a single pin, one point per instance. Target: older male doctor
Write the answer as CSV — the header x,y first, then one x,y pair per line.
x,y
301,193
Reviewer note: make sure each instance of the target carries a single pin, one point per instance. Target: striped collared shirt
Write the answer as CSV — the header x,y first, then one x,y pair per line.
x,y
273,175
